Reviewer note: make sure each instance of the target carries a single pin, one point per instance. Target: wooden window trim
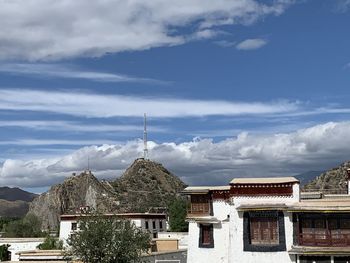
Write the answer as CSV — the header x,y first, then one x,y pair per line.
x,y
247,246
210,227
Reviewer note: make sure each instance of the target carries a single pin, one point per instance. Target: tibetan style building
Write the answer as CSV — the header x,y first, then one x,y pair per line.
x,y
265,220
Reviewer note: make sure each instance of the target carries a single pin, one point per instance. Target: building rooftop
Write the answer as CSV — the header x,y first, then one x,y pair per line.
x,y
265,180
205,189
322,205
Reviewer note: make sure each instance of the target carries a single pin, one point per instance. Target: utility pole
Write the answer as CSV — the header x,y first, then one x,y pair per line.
x,y
145,149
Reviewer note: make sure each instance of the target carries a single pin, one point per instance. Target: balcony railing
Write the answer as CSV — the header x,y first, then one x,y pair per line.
x,y
199,209
324,239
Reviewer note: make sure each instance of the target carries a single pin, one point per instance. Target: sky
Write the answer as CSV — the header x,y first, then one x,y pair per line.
x,y
231,88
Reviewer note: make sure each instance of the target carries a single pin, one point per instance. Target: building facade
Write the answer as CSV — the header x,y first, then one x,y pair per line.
x,y
258,220
151,222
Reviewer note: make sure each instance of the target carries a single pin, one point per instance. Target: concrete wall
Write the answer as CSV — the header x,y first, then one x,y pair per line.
x,y
168,257
218,254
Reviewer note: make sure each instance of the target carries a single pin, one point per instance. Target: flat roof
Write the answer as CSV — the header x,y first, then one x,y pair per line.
x,y
265,180
205,189
322,205
123,215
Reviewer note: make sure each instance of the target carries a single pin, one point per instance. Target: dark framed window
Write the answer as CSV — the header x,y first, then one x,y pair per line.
x,y
155,235
264,231
74,226
154,224
146,225
331,230
206,235
161,224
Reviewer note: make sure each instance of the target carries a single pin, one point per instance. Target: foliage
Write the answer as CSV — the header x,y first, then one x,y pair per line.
x,y
6,220
103,239
4,252
28,226
51,243
177,210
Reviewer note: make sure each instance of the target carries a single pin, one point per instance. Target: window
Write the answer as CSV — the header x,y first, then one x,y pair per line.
x,y
74,226
161,224
146,225
154,224
200,205
206,237
155,235
263,231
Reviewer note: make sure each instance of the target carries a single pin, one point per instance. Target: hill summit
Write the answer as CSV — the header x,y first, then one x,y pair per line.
x,y
146,185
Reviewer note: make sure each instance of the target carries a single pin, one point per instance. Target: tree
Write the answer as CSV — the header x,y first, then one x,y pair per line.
x,y
103,239
4,252
177,210
28,226
51,243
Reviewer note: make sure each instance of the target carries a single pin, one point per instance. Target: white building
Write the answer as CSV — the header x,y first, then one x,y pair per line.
x,y
263,220
152,222
17,245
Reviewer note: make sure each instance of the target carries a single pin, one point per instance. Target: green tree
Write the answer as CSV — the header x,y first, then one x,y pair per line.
x,y
103,239
29,226
4,252
177,210
51,243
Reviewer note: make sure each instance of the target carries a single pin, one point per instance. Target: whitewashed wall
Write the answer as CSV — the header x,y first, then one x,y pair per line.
x,y
20,244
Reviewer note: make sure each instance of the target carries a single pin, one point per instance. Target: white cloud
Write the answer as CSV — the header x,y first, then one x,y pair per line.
x,y
342,6
50,29
70,72
251,44
70,126
94,105
199,161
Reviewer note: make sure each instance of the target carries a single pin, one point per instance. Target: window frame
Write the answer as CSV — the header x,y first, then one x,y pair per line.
x,y
248,246
211,236
74,226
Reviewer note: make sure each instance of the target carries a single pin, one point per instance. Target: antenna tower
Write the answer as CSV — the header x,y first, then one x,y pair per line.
x,y
145,149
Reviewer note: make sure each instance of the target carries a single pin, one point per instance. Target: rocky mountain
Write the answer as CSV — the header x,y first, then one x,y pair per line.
x,y
307,177
14,202
77,191
16,208
146,185
15,193
332,181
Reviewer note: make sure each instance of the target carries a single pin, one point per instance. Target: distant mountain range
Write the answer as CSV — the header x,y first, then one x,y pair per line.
x,y
14,202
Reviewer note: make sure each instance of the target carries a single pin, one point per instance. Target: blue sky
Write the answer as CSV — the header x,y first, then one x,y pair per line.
x,y
231,88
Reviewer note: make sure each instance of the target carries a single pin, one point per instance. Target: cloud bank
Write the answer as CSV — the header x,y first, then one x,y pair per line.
x,y
51,30
69,72
201,161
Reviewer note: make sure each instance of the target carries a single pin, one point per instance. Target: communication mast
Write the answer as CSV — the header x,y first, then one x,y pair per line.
x,y
145,149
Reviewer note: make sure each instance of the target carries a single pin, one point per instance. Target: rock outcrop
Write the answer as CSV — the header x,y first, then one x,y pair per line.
x,y
77,191
333,181
146,186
